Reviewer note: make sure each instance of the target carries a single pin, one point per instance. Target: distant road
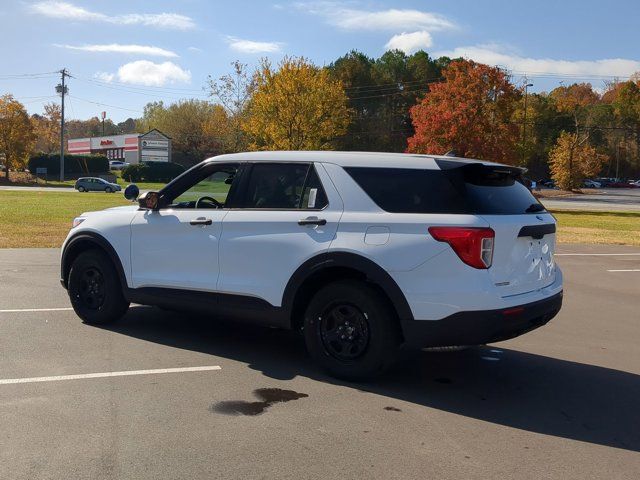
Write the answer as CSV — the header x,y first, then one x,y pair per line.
x,y
604,199
38,189
614,199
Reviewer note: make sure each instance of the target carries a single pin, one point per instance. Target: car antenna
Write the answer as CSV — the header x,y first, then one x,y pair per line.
x,y
451,153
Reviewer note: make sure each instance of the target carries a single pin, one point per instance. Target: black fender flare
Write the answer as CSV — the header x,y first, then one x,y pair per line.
x,y
373,272
80,241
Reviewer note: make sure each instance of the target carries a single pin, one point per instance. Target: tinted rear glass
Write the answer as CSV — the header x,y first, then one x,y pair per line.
x,y
474,189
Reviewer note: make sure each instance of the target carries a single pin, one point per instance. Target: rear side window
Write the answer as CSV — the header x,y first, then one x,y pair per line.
x,y
407,190
466,189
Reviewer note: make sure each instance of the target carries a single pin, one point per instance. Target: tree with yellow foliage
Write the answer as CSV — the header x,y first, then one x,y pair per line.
x,y
16,133
296,107
47,129
571,161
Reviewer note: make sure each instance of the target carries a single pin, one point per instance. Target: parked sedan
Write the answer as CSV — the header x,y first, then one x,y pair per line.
x,y
95,184
117,165
591,184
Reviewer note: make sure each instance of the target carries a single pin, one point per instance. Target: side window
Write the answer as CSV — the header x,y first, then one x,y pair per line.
x,y
313,196
210,189
276,186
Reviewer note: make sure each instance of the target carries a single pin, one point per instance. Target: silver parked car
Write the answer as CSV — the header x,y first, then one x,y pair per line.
x,y
118,165
95,184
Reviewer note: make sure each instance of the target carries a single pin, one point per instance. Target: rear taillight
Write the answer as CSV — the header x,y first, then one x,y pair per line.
x,y
474,246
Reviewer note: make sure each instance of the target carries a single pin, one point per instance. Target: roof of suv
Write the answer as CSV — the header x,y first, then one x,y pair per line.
x,y
346,159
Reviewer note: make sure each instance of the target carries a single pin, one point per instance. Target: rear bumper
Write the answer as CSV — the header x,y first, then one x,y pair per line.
x,y
480,327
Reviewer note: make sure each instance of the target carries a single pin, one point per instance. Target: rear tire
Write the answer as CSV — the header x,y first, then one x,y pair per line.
x,y
350,331
94,289
81,189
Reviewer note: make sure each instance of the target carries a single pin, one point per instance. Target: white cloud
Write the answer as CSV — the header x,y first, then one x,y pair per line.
x,y
392,19
144,72
105,76
119,48
195,49
410,42
55,9
250,46
496,55
160,20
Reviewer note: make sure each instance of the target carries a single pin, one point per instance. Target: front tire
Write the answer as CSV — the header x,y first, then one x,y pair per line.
x,y
94,289
350,331
108,190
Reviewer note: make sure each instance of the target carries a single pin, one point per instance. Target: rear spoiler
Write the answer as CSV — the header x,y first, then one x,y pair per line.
x,y
475,164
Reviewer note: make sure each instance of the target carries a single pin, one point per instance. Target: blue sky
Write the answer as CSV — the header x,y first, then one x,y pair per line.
x,y
123,54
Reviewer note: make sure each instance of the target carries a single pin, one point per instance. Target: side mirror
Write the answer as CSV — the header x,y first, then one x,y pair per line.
x,y
149,200
131,192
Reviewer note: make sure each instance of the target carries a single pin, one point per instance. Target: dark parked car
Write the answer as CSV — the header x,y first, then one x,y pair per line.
x,y
95,184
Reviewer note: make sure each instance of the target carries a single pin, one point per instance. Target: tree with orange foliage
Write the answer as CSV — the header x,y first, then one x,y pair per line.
x,y
573,158
470,113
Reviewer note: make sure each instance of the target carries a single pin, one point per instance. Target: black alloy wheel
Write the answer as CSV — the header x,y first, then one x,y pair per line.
x,y
92,288
95,290
351,330
344,331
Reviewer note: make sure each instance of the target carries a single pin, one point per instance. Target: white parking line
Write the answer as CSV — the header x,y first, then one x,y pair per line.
x,y
58,378
595,254
23,310
628,270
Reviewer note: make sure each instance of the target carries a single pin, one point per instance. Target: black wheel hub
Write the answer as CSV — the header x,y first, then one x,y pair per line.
x,y
344,331
92,288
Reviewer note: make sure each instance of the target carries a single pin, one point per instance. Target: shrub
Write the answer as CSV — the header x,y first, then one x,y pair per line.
x,y
73,164
134,173
152,172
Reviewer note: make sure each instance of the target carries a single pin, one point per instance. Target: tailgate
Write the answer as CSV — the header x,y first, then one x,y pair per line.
x,y
523,252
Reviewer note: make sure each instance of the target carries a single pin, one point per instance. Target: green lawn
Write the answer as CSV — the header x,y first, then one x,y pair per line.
x,y
43,219
620,228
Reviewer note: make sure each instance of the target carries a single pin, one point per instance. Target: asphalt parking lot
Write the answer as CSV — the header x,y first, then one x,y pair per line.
x,y
607,199
127,401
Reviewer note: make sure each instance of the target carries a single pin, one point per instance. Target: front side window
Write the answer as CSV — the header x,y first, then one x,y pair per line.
x,y
210,190
287,186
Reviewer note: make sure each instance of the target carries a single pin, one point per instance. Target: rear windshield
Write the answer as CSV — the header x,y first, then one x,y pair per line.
x,y
472,188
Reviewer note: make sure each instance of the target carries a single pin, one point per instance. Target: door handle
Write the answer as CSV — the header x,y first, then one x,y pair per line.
x,y
312,221
201,221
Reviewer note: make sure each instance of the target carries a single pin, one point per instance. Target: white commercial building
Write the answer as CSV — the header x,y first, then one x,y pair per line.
x,y
153,146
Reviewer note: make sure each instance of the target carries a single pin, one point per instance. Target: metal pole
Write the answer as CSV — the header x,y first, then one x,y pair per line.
x,y
524,124
64,74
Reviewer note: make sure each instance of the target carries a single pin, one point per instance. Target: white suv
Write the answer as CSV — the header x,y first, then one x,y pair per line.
x,y
364,252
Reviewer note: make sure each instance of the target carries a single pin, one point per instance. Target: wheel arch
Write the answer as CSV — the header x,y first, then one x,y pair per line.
x,y
327,267
84,241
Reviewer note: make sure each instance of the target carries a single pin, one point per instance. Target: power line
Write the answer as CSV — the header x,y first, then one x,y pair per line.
x,y
104,104
28,75
595,76
143,92
151,88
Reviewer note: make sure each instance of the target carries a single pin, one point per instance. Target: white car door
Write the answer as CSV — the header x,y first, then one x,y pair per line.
x,y
289,213
177,245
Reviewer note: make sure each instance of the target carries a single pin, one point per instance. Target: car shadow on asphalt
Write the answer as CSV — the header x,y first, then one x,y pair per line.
x,y
506,387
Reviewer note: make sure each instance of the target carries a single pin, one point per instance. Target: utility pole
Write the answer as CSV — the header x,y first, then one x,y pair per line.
x,y
524,123
62,90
